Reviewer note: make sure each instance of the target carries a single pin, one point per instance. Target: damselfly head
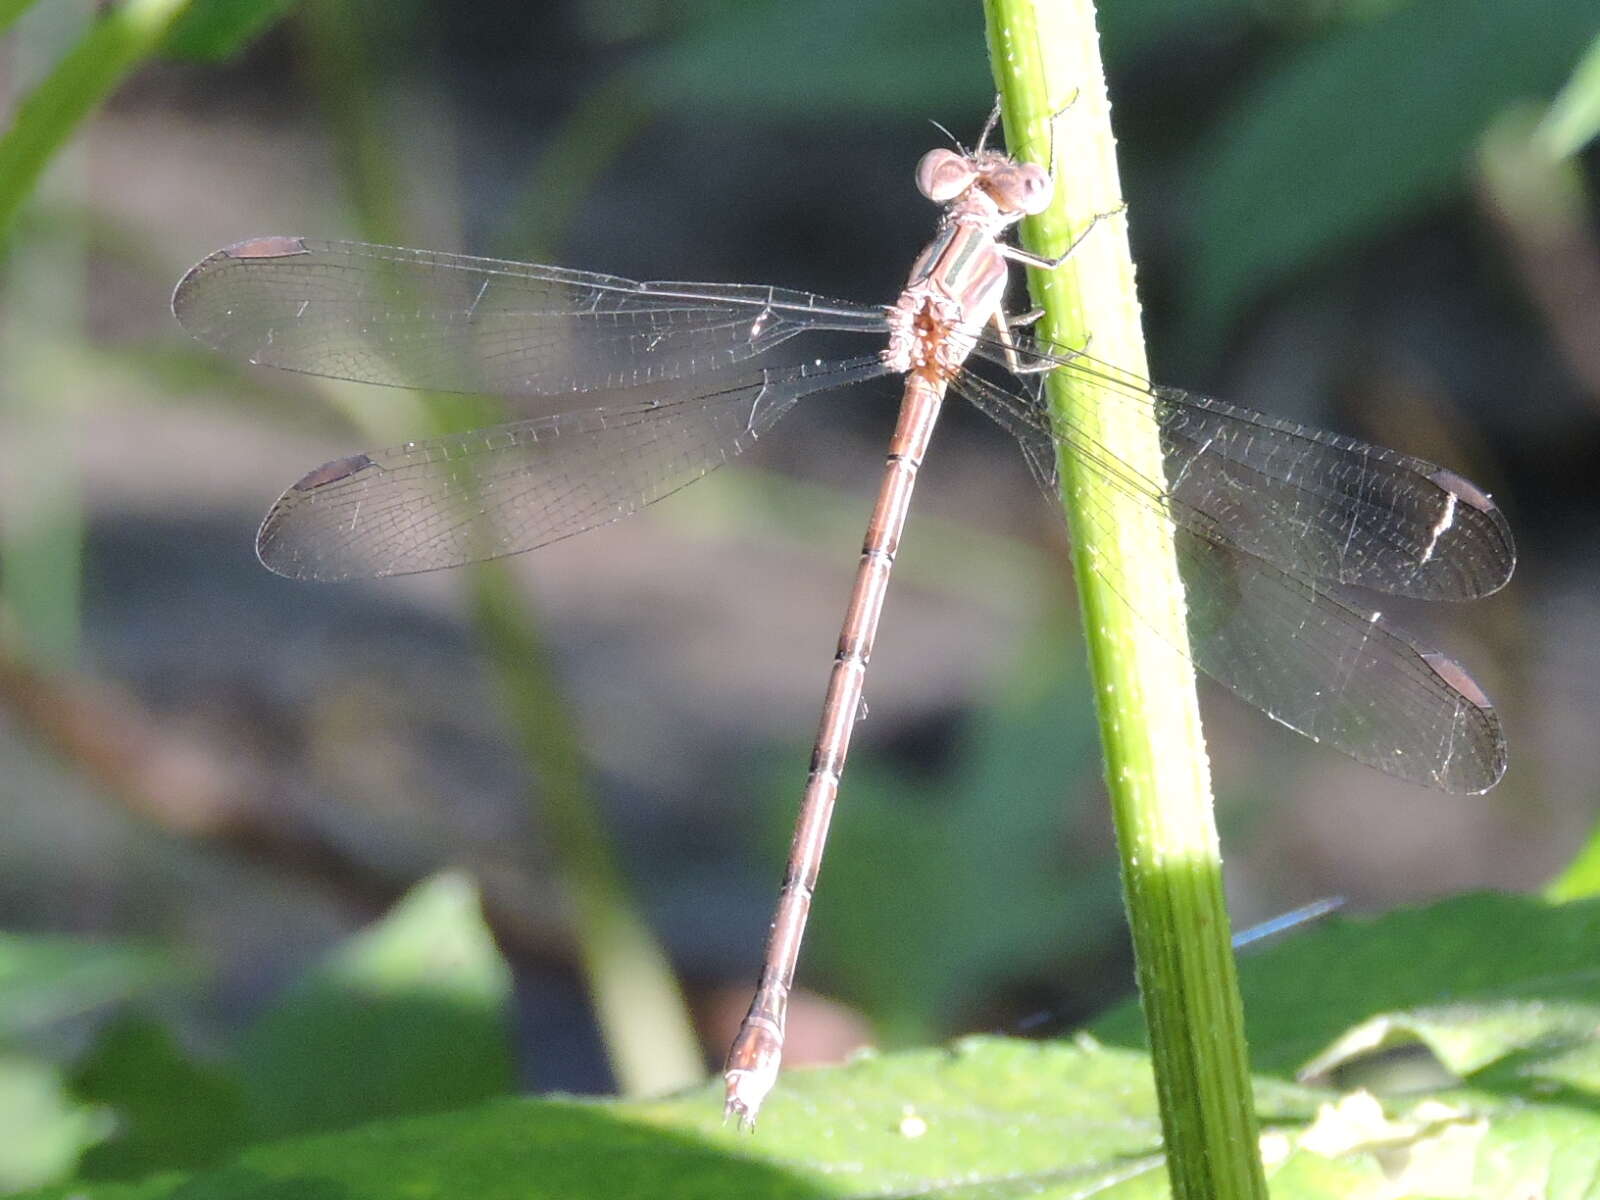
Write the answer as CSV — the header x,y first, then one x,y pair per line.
x,y
1019,189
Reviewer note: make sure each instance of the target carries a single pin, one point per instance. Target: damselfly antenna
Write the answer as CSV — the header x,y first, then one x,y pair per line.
x,y
954,141
988,127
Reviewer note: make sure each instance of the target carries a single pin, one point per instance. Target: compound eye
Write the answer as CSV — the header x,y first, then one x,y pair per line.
x,y
1024,188
942,175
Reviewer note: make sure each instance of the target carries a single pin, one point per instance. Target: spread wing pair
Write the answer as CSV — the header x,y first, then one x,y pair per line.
x,y
628,391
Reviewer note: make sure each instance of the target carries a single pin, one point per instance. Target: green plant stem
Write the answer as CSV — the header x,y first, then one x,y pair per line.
x,y
88,73
643,1020
1573,119
603,122
41,323
10,10
640,1011
1046,62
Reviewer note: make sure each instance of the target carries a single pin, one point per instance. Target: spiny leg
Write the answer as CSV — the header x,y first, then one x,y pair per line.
x,y
1029,259
1003,324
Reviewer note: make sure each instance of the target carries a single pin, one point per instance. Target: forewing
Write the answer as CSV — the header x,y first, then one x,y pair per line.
x,y
1315,504
447,322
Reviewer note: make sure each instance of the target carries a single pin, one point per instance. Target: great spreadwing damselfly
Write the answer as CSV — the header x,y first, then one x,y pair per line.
x,y
620,393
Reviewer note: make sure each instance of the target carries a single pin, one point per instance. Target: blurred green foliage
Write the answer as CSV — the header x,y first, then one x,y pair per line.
x,y
1350,136
44,979
171,1112
10,10
1573,119
212,30
1581,877
44,983
112,47
1364,115
409,1016
1497,988
1360,116
1361,119
940,892
1470,954
43,1130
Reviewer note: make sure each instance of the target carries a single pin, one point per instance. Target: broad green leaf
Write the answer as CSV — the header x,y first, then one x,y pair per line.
x,y
1549,1150
1361,131
219,29
46,979
992,1119
1502,957
409,1016
170,1112
984,1119
979,1119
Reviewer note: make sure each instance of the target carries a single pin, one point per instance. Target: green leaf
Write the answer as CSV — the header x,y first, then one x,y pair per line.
x,y
1472,972
1581,878
42,1129
44,980
1551,1039
1545,1150
1054,1120
985,1119
409,1016
211,30
912,57
170,1112
1361,131
993,1119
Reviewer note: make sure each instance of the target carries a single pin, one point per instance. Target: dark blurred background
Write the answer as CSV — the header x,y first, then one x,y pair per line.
x,y
1346,213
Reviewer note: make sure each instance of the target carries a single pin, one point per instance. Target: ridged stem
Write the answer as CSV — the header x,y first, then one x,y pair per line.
x,y
1046,62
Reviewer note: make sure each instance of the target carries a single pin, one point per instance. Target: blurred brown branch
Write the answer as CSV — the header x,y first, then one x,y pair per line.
x,y
198,791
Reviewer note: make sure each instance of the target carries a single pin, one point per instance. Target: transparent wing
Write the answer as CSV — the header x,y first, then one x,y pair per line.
x,y
1265,512
1314,504
1295,650
472,496
447,322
